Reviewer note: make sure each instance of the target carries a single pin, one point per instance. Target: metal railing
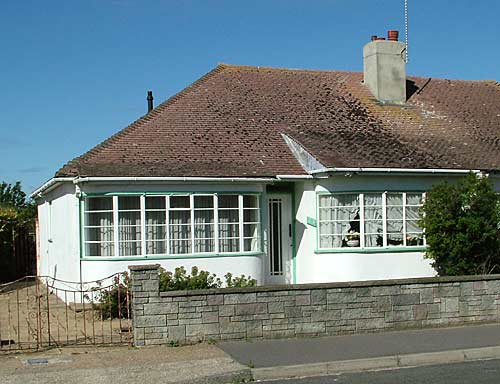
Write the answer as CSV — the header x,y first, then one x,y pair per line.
x,y
41,312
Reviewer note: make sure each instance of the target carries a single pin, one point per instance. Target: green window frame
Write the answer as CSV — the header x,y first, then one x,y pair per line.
x,y
353,221
163,225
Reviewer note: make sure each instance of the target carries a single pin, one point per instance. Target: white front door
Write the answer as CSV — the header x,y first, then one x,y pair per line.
x,y
279,239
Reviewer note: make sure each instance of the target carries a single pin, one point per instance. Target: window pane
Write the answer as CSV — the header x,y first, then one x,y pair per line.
x,y
395,213
99,249
99,203
203,217
412,213
180,246
203,201
180,231
129,202
129,218
394,239
330,241
179,202
155,202
414,239
252,245
412,226
229,245
250,201
414,199
156,232
374,240
346,200
155,217
99,228
394,226
130,248
339,216
394,199
180,217
205,245
228,216
251,215
374,227
373,199
99,234
203,231
250,230
228,201
229,230
98,218
129,232
156,247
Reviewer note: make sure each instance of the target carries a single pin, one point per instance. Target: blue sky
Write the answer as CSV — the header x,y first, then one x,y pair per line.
x,y
74,72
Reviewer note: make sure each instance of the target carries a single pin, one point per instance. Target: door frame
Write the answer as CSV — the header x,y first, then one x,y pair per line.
x,y
290,200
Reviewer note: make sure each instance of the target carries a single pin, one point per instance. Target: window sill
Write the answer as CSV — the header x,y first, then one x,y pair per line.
x,y
420,248
170,257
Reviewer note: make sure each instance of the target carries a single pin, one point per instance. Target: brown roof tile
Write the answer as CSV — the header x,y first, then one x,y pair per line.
x,y
229,123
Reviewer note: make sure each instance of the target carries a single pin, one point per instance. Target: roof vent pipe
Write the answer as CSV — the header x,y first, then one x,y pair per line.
x,y
150,101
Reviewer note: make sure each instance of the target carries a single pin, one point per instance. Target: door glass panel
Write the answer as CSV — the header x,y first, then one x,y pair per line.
x,y
275,244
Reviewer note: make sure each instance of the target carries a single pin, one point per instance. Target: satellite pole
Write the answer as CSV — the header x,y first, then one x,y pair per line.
x,y
406,31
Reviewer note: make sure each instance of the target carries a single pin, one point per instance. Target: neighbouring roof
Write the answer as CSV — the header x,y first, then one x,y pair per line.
x,y
230,122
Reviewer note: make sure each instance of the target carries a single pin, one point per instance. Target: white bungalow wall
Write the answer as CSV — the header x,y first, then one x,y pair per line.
x,y
59,252
312,267
60,235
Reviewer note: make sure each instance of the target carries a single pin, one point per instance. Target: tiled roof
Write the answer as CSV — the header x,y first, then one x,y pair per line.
x,y
229,124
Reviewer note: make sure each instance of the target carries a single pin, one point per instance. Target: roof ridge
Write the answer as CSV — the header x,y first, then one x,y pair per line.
x,y
269,68
144,118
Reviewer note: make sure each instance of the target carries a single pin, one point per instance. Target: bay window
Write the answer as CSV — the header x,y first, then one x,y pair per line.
x,y
171,224
369,220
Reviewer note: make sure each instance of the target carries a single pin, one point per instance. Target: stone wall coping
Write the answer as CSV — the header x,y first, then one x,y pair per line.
x,y
348,284
145,267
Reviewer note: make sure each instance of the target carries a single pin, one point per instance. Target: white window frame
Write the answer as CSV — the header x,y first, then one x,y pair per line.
x,y
143,225
361,199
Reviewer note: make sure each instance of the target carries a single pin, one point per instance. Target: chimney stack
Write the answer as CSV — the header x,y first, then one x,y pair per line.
x,y
150,101
385,68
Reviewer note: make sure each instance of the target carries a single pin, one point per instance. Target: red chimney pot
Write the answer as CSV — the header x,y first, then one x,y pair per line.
x,y
393,35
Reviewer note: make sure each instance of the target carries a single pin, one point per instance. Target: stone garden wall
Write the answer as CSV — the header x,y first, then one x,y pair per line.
x,y
185,317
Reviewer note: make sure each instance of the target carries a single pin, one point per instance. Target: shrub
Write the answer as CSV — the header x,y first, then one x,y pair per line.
x,y
239,282
112,302
461,227
180,280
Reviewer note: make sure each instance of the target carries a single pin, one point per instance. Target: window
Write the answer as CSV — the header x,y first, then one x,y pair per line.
x,y
171,225
369,220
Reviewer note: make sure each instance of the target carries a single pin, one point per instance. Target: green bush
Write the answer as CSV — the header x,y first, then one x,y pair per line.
x,y
461,223
112,302
180,280
239,282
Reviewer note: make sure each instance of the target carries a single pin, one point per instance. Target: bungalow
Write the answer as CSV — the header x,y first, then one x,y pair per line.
x,y
287,175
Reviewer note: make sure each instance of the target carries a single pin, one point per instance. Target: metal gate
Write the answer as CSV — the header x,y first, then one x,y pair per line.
x,y
42,312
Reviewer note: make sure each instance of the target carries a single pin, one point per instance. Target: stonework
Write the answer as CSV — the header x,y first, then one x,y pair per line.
x,y
186,317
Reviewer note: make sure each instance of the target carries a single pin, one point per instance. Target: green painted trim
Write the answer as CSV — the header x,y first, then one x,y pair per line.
x,y
173,257
312,221
294,242
80,223
96,194
370,191
372,250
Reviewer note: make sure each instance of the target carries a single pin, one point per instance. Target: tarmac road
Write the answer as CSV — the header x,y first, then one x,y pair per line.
x,y
478,372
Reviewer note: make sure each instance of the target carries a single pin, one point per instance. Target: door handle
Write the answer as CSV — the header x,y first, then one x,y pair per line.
x,y
290,230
